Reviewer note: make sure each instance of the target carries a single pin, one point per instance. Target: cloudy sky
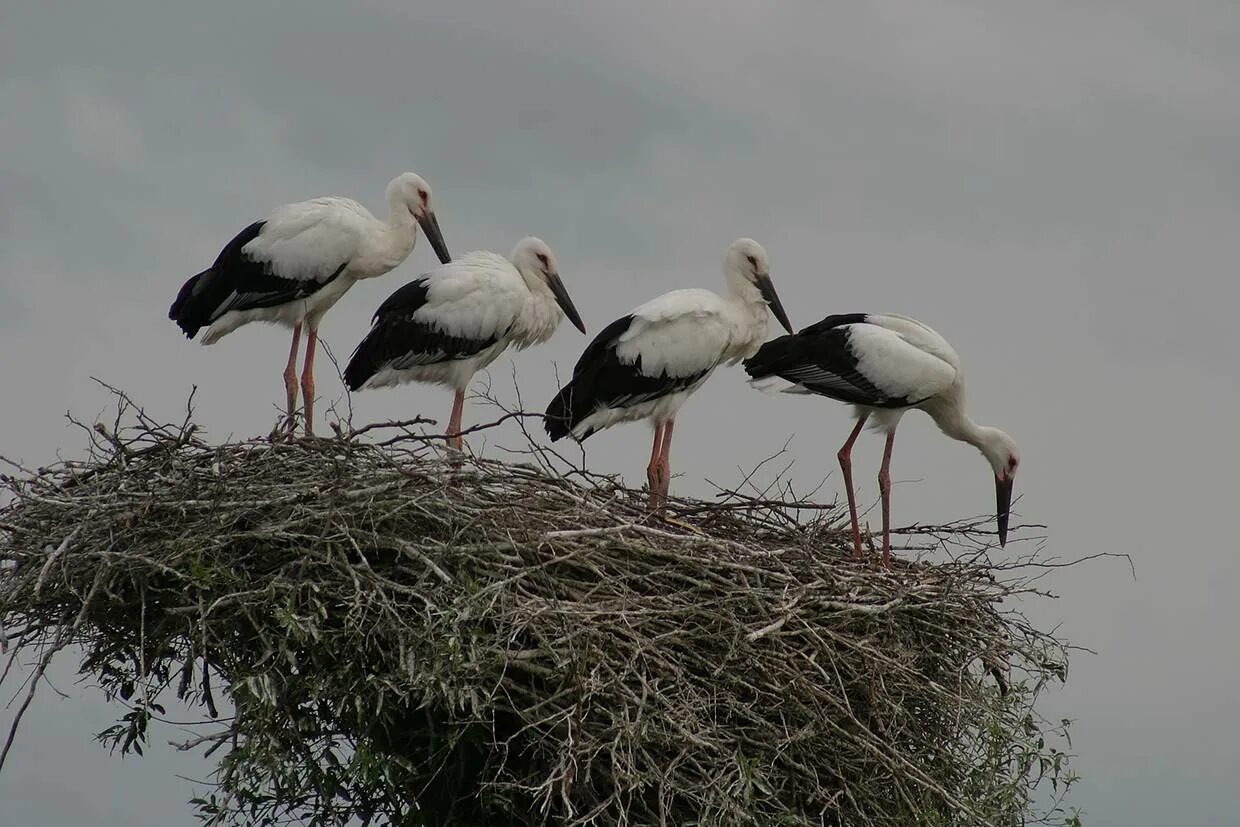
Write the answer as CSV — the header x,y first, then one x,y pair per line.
x,y
1054,186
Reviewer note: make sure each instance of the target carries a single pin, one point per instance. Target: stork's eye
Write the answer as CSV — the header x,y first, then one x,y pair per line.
x,y
422,194
753,262
542,258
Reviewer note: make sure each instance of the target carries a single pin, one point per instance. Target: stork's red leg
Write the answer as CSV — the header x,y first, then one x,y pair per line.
x,y
290,375
665,465
454,422
652,470
884,487
307,379
845,457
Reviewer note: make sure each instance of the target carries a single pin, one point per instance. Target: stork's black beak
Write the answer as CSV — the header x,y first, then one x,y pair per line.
x,y
767,289
565,303
430,226
1003,505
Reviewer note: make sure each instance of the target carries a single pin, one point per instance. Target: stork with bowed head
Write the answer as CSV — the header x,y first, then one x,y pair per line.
x,y
292,266
646,365
446,325
884,365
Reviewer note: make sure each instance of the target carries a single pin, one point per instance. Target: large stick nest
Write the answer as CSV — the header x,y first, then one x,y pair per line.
x,y
406,641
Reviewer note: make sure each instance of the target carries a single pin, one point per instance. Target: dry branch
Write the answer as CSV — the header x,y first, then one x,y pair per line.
x,y
410,642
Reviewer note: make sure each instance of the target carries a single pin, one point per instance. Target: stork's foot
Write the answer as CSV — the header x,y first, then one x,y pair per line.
x,y
881,558
455,452
292,409
859,543
285,429
863,545
657,481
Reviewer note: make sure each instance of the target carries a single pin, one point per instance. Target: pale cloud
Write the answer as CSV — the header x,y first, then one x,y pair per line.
x,y
102,130
1052,185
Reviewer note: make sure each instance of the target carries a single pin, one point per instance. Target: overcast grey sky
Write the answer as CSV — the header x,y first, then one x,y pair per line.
x,y
1054,186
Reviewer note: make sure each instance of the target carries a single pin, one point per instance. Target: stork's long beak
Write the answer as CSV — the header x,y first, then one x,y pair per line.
x,y
565,303
430,226
767,289
1003,505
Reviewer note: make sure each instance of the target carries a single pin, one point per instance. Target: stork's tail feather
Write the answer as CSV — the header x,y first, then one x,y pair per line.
x,y
189,310
766,362
367,359
765,368
560,417
572,406
775,384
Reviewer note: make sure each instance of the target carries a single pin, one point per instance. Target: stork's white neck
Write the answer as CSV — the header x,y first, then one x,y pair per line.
x,y
388,243
952,420
742,290
399,215
750,305
534,281
749,314
540,315
538,319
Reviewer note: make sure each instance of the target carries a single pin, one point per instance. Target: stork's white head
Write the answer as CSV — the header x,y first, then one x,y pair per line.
x,y
1001,452
537,266
409,193
746,265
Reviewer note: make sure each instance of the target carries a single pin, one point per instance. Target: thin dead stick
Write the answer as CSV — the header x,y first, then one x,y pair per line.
x,y
37,676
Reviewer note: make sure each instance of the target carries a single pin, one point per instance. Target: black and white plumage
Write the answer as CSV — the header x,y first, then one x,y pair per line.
x,y
884,365
450,323
646,365
291,267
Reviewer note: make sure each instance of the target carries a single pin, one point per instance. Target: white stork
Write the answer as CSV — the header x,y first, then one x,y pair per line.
x,y
884,365
446,325
292,266
646,364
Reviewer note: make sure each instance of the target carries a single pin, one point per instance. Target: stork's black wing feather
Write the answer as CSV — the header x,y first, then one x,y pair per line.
x,y
238,282
821,359
601,380
399,341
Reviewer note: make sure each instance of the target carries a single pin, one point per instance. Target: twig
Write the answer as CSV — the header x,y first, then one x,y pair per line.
x,y
30,692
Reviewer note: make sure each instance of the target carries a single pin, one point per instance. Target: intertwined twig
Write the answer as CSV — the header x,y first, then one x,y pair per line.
x,y
407,638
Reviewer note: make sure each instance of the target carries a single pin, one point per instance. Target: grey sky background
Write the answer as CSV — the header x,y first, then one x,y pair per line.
x,y
1053,186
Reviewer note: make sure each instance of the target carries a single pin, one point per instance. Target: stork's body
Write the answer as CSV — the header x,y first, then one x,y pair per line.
x,y
646,365
884,365
452,322
291,267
